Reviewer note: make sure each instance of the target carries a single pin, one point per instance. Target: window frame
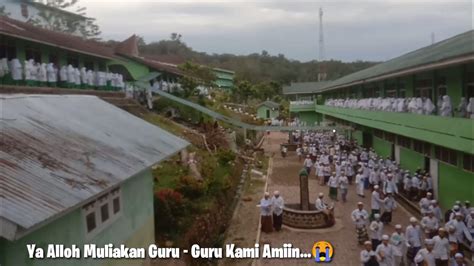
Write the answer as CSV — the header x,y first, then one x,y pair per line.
x,y
95,206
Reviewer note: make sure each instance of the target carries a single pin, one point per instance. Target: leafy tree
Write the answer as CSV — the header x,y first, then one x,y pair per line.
x,y
3,12
195,75
64,22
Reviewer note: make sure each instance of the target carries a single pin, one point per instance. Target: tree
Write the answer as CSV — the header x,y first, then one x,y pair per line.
x,y
176,37
3,12
195,75
64,22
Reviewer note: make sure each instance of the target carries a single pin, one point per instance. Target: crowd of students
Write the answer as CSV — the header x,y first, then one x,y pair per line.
x,y
32,73
338,162
416,105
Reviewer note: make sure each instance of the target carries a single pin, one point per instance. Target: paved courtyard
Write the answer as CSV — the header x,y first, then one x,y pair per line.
x,y
285,178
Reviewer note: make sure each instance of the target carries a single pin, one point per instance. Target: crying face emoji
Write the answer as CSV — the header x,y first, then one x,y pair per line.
x,y
322,251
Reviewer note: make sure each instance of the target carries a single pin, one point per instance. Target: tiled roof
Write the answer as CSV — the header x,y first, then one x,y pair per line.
x,y
65,41
59,151
129,47
270,104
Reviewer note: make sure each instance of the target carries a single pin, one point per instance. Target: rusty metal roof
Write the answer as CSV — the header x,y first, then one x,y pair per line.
x,y
58,151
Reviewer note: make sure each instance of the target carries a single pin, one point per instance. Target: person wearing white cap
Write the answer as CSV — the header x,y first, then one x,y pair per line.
x,y
385,252
278,204
368,256
426,255
320,205
413,235
308,163
376,231
360,217
388,207
398,240
266,213
343,186
376,201
450,214
459,260
470,225
441,248
425,203
333,183
461,229
430,224
438,213
466,209
389,185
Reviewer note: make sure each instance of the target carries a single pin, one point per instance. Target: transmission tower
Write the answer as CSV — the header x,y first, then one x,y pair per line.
x,y
322,64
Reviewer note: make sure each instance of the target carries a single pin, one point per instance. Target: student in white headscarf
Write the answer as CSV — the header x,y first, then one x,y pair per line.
x,y
462,107
446,107
470,108
428,106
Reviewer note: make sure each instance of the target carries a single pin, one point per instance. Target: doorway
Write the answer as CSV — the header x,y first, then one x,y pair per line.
x,y
367,140
268,113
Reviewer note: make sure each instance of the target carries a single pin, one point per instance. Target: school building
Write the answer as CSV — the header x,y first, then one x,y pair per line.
x,y
442,145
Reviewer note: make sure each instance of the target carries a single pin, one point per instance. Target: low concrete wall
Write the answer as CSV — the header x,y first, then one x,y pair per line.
x,y
311,219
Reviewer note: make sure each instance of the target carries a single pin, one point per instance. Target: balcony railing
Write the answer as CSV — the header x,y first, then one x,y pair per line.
x,y
451,132
302,105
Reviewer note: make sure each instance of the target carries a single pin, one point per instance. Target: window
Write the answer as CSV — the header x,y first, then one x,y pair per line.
x,y
73,60
468,162
378,133
89,65
91,224
53,58
404,141
446,155
33,53
424,88
104,212
101,212
422,147
389,137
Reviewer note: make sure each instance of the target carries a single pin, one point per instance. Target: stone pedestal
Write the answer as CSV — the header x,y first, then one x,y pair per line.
x,y
304,193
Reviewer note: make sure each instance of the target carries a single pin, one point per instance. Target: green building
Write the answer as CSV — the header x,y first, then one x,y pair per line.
x,y
76,170
25,41
225,78
268,110
442,145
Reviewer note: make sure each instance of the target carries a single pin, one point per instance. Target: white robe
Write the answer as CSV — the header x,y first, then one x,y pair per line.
x,y
446,108
385,255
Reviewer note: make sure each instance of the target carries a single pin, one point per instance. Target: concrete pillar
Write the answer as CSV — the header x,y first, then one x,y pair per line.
x,y
304,192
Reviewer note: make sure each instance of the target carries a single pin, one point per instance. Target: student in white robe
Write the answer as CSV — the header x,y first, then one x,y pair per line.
x,y
71,76
320,205
52,75
461,231
426,255
458,260
360,217
376,231
266,213
462,107
428,106
429,224
385,252
441,248
398,240
376,201
470,108
446,107
413,235
359,180
42,74
368,257
63,76
277,204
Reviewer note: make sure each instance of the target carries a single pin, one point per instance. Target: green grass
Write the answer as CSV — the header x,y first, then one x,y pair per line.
x,y
167,174
164,123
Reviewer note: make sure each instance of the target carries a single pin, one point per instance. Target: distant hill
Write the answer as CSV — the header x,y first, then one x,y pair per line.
x,y
254,67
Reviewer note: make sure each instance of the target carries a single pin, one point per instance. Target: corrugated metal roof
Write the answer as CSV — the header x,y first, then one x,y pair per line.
x,y
59,151
457,46
304,87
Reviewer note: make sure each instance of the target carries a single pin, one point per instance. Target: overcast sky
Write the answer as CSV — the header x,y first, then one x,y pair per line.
x,y
353,29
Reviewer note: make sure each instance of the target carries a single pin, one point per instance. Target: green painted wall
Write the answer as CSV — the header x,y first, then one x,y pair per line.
x,y
454,184
310,117
357,135
410,159
454,133
262,113
453,77
382,147
134,227
136,69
